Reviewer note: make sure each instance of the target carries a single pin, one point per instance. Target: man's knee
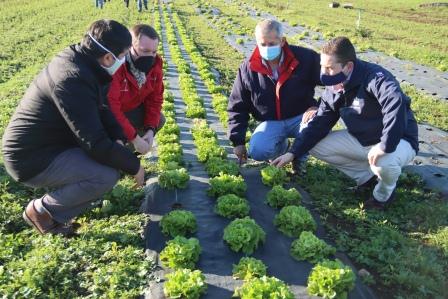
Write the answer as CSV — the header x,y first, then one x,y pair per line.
x,y
386,171
259,153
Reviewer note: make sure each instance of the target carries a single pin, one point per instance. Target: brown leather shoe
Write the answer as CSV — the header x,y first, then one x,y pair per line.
x,y
373,204
43,223
366,187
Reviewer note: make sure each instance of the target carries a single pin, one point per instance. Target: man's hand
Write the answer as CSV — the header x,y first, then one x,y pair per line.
x,y
149,137
241,152
309,114
374,154
283,160
140,177
140,145
120,142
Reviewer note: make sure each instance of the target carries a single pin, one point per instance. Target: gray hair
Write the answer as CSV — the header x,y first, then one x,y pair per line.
x,y
268,25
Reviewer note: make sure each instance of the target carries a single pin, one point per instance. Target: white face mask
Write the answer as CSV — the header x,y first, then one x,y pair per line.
x,y
118,62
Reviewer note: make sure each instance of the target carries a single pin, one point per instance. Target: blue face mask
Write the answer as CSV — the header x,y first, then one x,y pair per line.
x,y
118,62
330,80
270,53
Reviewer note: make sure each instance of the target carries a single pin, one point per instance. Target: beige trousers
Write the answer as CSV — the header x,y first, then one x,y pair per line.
x,y
343,151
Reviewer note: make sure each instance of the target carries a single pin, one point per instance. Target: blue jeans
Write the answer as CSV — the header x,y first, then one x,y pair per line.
x,y
140,4
99,3
270,138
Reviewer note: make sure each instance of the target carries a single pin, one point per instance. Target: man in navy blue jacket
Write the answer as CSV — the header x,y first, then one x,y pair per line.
x,y
276,86
382,133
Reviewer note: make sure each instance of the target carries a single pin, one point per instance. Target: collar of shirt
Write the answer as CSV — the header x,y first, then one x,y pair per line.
x,y
275,73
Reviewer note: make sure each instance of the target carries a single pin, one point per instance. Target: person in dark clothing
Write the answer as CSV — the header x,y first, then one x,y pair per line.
x,y
63,136
126,2
276,86
141,4
381,135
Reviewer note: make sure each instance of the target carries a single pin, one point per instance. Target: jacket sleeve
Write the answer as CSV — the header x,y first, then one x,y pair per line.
x,y
153,102
113,128
317,129
115,106
238,110
76,100
393,107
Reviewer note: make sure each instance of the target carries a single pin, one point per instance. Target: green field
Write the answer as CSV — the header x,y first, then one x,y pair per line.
x,y
405,249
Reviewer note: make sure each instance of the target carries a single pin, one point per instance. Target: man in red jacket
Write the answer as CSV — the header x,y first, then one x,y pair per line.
x,y
136,92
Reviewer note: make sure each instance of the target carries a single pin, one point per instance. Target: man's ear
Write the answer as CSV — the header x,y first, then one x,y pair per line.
x,y
350,66
106,60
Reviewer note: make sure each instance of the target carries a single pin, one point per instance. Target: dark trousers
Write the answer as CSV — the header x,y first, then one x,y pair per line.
x,y
137,117
75,181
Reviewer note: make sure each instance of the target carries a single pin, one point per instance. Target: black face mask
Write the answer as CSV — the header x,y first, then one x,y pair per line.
x,y
144,63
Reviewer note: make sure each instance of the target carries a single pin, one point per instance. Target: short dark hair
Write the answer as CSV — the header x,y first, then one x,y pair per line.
x,y
341,48
111,34
146,30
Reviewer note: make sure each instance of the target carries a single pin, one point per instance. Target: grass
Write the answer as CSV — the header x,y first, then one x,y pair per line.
x,y
427,109
404,248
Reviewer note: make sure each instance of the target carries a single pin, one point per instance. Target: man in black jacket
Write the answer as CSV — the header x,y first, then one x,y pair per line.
x,y
276,86
62,135
382,133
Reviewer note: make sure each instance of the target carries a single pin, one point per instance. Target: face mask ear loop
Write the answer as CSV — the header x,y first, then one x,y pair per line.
x,y
101,46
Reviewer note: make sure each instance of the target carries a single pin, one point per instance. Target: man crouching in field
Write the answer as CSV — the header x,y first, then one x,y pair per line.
x,y
381,135
62,135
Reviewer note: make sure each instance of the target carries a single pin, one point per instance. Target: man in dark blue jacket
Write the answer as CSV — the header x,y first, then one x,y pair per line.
x,y
276,86
382,133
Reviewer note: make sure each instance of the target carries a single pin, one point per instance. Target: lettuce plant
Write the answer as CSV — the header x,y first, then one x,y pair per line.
x,y
175,178
311,248
232,206
185,284
244,235
264,287
331,279
180,252
280,197
226,184
178,223
272,176
217,165
249,268
292,220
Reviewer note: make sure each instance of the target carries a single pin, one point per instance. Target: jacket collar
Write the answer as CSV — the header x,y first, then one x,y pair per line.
x,y
256,62
357,75
158,64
